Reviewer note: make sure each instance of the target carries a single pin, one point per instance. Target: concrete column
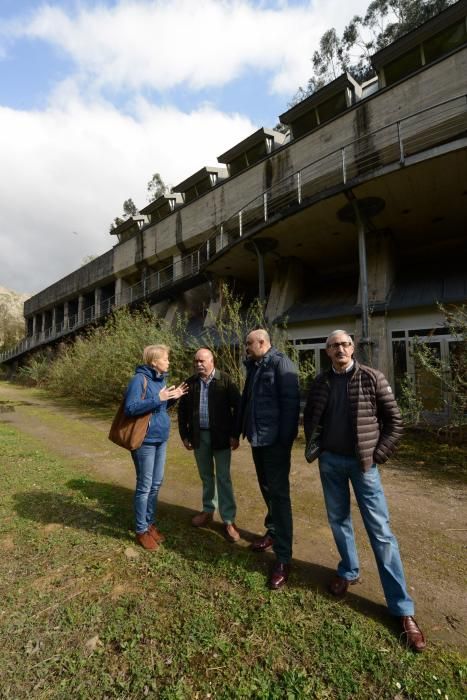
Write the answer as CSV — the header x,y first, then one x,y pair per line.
x,y
54,320
80,308
286,288
177,267
65,314
120,291
97,302
34,324
215,303
43,325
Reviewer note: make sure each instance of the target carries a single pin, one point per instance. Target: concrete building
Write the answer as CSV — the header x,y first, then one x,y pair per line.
x,y
355,219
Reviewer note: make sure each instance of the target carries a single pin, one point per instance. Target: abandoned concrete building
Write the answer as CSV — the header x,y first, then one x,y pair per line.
x,y
354,218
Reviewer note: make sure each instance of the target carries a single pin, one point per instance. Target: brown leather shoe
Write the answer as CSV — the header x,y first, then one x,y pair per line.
x,y
412,634
279,575
339,586
146,541
262,543
156,534
202,519
231,532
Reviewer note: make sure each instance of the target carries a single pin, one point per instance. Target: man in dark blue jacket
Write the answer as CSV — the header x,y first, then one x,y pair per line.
x,y
269,419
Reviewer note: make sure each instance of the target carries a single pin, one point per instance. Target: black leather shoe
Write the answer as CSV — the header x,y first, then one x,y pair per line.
x,y
262,543
279,575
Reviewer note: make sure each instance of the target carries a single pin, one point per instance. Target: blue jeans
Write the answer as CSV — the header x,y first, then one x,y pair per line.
x,y
149,461
336,471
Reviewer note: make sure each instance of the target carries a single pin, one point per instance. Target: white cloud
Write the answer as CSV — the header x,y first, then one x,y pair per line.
x,y
66,172
160,44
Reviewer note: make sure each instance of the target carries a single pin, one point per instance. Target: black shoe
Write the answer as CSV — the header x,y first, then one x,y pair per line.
x,y
279,575
262,543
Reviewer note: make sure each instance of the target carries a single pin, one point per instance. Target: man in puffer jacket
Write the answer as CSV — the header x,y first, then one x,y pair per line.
x,y
352,413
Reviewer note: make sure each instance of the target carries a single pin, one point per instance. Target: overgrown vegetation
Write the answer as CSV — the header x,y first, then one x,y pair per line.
x,y
84,616
96,368
449,382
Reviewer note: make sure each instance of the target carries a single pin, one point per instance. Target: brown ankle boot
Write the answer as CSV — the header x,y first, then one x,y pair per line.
x,y
146,541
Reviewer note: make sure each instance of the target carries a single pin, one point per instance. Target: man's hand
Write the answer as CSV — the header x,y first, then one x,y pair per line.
x,y
187,444
233,443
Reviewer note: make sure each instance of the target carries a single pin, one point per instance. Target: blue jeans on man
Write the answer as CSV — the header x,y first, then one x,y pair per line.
x,y
149,461
336,472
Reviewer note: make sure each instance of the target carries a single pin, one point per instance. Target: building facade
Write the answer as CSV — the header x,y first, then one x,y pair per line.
x,y
355,218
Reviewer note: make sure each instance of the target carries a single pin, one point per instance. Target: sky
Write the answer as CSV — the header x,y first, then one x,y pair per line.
x,y
96,96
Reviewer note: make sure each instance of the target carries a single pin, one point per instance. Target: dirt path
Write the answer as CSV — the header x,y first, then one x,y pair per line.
x,y
427,515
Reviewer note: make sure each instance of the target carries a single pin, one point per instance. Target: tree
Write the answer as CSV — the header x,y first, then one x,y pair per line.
x,y
129,209
156,187
384,22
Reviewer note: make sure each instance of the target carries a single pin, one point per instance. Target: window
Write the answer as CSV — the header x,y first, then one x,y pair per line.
x,y
402,66
304,124
445,41
238,164
332,107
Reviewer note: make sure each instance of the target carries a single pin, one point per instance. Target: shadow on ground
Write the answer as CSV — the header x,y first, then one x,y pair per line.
x,y
107,509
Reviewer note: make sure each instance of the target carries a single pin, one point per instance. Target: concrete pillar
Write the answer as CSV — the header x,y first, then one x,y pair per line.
x,y
215,302
34,325
177,267
286,288
97,302
381,272
65,314
121,291
43,325
80,308
54,320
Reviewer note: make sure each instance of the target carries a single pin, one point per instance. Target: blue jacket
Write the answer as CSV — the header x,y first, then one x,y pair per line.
x,y
270,400
159,423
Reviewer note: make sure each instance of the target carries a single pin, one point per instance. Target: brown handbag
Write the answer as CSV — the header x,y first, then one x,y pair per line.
x,y
129,431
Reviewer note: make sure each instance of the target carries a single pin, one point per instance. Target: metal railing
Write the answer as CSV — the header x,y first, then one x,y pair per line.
x,y
394,143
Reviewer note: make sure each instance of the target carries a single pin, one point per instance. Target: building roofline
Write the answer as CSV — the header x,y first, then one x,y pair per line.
x,y
160,201
414,37
255,138
199,175
343,81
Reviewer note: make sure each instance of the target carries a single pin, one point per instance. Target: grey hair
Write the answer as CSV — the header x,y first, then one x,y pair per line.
x,y
338,331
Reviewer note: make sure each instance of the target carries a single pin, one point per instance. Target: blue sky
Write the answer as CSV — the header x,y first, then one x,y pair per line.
x,y
96,96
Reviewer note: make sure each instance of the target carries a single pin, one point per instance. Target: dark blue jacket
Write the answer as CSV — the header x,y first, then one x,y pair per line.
x,y
270,400
159,423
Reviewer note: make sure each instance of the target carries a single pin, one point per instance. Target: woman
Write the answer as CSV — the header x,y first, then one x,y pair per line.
x,y
149,459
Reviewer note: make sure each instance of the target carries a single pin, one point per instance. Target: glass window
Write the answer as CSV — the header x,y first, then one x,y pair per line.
x,y
329,109
190,194
237,164
399,360
429,387
204,185
324,361
402,66
304,124
257,152
445,41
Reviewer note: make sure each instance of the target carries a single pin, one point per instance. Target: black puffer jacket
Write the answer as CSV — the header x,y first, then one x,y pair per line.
x,y
376,417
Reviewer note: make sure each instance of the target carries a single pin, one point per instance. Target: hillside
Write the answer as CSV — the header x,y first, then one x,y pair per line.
x,y
11,316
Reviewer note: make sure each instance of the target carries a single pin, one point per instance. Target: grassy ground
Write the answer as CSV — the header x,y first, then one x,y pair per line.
x,y
86,615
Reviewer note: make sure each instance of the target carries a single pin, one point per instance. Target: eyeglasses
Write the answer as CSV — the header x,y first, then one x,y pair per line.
x,y
344,344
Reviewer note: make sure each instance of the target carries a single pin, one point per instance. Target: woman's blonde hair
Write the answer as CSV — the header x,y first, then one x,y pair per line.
x,y
154,352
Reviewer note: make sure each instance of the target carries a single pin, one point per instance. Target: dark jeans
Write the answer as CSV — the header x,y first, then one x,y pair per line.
x,y
272,469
